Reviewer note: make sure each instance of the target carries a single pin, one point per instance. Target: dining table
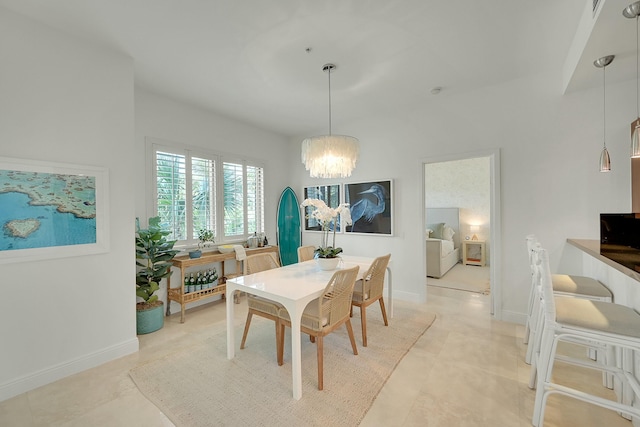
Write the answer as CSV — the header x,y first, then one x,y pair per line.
x,y
293,286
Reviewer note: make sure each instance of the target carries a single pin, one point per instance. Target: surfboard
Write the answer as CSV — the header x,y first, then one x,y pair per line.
x,y
289,232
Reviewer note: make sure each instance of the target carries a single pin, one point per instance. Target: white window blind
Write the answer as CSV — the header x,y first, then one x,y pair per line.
x,y
188,199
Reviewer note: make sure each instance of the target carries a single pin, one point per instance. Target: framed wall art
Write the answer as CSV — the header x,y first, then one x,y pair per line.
x,y
330,194
51,210
371,205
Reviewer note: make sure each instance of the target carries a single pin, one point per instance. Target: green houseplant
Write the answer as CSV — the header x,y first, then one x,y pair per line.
x,y
153,261
204,236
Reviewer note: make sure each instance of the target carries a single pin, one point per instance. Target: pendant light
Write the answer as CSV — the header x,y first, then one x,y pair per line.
x,y
633,12
330,156
605,160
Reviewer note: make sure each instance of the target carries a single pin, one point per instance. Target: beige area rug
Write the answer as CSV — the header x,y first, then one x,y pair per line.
x,y
470,278
199,386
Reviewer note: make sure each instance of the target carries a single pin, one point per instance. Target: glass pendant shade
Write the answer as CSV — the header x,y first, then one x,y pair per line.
x,y
605,161
330,156
635,141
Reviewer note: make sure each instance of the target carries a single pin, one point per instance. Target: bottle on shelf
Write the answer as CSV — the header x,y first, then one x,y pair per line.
x,y
185,289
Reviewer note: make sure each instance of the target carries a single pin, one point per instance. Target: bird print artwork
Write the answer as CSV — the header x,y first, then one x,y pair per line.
x,y
370,207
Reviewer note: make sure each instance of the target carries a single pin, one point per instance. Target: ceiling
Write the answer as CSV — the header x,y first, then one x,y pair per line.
x,y
260,61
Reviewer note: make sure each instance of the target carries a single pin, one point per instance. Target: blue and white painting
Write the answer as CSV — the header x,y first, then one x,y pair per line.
x,y
39,210
371,207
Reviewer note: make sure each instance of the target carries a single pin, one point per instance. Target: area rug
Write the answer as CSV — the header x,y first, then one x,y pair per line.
x,y
467,278
199,386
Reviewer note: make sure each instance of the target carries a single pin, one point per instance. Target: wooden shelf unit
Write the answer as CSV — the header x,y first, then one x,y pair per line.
x,y
183,262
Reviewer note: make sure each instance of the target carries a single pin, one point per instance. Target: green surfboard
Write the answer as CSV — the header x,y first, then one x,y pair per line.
x,y
289,230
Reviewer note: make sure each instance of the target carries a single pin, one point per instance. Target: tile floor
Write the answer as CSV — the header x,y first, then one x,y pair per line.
x,y
467,370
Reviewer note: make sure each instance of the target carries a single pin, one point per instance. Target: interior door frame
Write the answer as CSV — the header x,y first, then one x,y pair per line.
x,y
495,247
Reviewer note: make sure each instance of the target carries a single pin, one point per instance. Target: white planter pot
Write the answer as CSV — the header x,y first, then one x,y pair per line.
x,y
327,263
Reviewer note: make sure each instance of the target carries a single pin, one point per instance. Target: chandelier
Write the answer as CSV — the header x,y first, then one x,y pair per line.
x,y
330,156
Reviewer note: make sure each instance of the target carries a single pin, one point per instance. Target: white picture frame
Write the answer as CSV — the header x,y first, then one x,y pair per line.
x,y
52,210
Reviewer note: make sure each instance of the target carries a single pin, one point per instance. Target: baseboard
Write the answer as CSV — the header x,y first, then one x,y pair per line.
x,y
513,317
45,376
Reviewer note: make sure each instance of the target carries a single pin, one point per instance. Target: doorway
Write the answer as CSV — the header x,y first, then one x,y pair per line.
x,y
465,189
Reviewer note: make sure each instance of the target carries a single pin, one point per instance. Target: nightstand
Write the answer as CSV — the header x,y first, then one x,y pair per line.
x,y
473,252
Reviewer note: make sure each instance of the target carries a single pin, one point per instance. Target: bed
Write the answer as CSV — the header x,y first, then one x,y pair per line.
x,y
443,240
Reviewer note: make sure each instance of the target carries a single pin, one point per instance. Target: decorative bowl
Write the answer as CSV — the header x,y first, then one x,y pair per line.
x,y
225,249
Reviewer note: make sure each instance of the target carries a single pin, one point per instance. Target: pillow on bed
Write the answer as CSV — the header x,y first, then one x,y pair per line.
x,y
447,233
436,230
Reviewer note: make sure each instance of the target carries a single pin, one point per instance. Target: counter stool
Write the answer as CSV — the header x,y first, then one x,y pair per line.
x,y
585,322
563,285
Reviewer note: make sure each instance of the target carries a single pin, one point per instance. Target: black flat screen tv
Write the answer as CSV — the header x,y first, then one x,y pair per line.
x,y
620,238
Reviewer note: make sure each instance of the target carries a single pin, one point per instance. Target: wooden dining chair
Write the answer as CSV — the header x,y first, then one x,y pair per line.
x,y
306,253
258,305
368,290
324,315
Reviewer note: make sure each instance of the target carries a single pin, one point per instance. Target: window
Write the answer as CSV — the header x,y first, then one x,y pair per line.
x,y
187,195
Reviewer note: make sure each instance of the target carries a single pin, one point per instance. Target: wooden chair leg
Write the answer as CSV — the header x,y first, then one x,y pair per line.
x,y
384,312
277,322
320,362
246,329
352,338
280,346
363,322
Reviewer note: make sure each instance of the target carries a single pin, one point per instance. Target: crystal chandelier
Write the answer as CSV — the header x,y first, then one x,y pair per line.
x,y
330,156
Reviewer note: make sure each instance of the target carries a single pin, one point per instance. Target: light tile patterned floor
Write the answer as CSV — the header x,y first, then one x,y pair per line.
x,y
467,370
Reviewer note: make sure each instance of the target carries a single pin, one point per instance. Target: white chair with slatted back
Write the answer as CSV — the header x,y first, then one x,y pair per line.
x,y
368,290
259,306
585,322
563,284
324,315
306,253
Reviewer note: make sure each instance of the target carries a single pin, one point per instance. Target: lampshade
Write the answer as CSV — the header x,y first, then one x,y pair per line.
x,y
330,156
633,12
635,140
605,160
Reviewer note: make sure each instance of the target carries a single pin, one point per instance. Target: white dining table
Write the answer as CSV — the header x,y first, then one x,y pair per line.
x,y
293,286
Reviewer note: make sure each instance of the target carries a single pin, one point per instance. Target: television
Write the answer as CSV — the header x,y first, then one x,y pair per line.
x,y
620,238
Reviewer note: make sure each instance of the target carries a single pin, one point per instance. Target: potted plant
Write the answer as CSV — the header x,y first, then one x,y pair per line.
x,y
327,256
153,260
204,236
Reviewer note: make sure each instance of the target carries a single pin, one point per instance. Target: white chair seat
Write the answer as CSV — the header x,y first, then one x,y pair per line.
x,y
598,316
582,286
310,316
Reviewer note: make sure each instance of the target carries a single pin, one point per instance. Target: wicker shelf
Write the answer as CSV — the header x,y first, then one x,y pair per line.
x,y
183,262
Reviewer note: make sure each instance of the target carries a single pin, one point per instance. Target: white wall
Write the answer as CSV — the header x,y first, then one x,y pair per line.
x,y
176,122
464,184
550,146
64,101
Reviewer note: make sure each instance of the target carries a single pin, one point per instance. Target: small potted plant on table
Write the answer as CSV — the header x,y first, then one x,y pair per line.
x,y
204,236
153,260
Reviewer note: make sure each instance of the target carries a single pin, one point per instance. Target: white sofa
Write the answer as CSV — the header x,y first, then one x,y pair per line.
x,y
441,257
